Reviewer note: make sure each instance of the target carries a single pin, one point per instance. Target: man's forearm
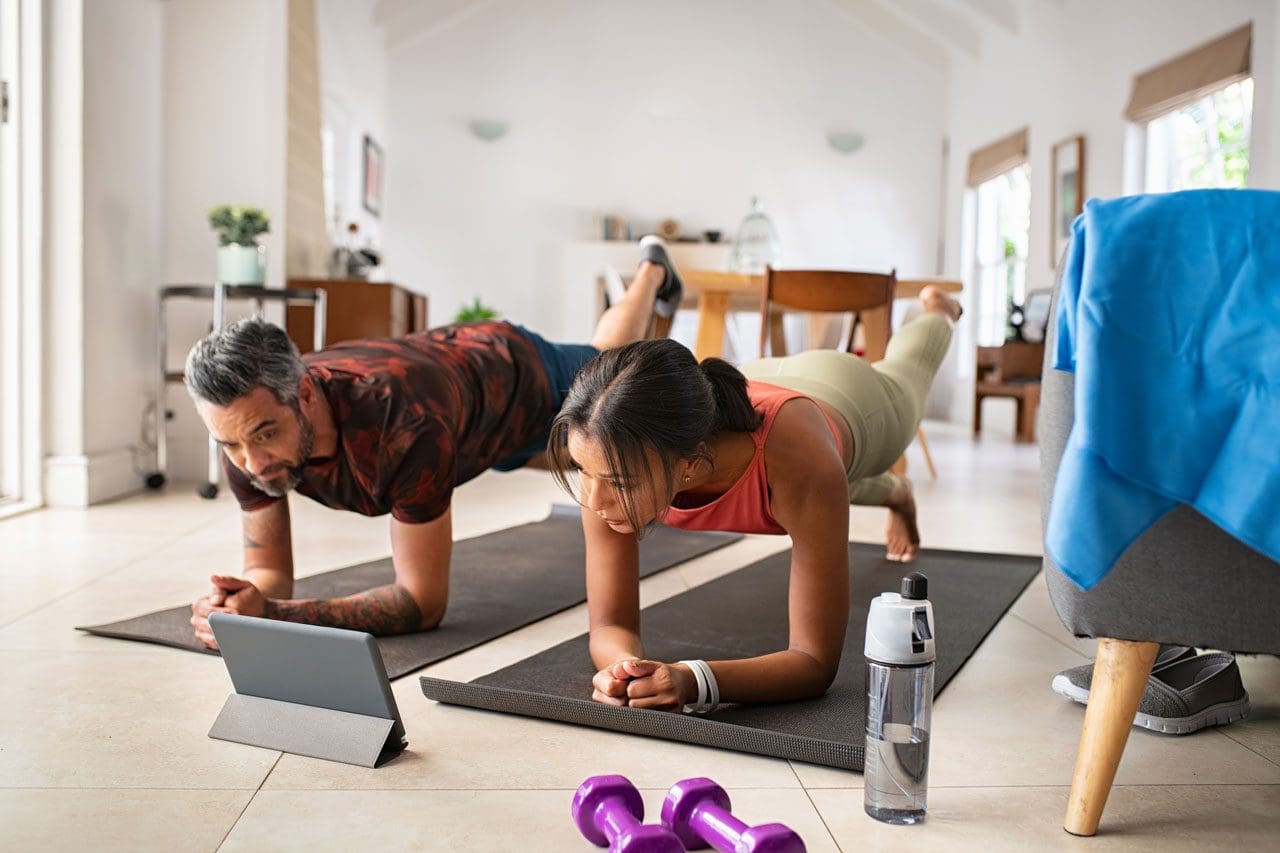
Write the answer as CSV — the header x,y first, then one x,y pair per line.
x,y
381,611
273,583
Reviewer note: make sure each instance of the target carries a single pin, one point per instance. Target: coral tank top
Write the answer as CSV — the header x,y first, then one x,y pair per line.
x,y
744,508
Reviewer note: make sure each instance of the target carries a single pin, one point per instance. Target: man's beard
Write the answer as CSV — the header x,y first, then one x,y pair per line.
x,y
293,473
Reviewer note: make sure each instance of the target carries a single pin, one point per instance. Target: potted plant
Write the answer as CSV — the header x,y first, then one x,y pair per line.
x,y
240,259
476,312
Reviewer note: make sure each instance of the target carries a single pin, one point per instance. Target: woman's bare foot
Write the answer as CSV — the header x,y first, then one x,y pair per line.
x,y
935,299
902,536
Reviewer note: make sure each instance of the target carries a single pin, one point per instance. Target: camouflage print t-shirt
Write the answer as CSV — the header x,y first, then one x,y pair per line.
x,y
417,416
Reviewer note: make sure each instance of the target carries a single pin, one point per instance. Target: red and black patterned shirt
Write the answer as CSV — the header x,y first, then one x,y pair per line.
x,y
418,416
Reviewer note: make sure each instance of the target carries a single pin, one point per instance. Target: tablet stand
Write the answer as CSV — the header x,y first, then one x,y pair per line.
x,y
306,730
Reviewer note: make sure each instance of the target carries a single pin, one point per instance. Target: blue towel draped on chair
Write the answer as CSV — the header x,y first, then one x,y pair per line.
x,y
1169,316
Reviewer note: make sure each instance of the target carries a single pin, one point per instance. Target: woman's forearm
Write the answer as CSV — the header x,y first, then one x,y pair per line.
x,y
610,644
779,677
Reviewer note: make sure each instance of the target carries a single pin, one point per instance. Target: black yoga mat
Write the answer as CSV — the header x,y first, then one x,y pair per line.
x,y
499,582
744,614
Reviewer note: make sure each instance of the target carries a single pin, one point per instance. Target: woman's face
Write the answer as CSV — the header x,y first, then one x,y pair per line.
x,y
607,494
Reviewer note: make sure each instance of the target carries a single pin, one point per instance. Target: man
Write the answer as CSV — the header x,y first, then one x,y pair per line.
x,y
384,426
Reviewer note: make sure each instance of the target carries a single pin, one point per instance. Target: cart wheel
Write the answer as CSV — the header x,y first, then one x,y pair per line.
x,y
208,491
155,480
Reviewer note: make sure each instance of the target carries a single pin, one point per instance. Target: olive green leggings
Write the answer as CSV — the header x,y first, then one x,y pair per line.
x,y
881,402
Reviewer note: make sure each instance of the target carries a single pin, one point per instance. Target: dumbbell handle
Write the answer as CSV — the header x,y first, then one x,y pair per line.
x,y
714,823
613,819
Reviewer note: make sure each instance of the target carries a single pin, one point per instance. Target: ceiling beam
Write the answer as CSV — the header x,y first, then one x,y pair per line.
x,y
951,27
404,21
1002,13
905,36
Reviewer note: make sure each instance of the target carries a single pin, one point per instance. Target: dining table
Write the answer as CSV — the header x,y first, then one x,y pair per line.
x,y
714,293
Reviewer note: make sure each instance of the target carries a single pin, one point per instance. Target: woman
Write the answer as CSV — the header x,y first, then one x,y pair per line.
x,y
784,446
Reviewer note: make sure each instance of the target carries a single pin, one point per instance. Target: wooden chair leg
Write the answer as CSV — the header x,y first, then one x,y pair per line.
x,y
1120,675
1033,406
928,457
661,327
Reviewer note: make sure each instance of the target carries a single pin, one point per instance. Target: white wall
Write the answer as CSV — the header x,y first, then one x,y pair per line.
x,y
680,110
123,204
353,81
224,126
64,353
224,141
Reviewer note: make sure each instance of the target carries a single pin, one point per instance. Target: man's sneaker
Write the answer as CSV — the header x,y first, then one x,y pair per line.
x,y
1191,693
1074,683
671,291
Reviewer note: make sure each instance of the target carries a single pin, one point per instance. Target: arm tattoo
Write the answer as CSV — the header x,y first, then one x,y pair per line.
x,y
250,542
381,611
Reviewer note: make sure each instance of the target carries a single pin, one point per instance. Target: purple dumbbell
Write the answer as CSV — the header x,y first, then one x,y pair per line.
x,y
698,812
608,811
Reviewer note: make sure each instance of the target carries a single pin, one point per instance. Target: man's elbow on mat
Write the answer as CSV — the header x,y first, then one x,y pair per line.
x,y
432,614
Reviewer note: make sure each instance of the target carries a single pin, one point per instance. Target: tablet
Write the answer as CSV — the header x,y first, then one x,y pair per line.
x,y
308,665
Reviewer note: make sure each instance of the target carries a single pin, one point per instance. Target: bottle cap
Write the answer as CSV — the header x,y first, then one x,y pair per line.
x,y
915,586
900,625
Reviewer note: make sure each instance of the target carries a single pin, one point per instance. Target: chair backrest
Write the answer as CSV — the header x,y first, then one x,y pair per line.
x,y
1011,362
866,295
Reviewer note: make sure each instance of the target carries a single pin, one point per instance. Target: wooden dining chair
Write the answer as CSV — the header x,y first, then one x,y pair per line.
x,y
867,296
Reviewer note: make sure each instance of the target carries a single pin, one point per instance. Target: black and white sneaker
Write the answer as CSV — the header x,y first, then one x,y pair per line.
x,y
654,250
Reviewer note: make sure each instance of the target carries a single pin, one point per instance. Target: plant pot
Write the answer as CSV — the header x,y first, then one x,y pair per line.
x,y
242,264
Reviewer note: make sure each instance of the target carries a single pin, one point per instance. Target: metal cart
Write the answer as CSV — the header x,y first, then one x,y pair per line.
x,y
219,294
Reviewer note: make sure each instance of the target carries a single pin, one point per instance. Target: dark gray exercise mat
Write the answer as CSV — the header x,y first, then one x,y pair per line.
x,y
499,582
744,614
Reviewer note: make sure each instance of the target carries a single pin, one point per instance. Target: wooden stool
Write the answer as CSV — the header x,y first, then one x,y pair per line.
x,y
1011,370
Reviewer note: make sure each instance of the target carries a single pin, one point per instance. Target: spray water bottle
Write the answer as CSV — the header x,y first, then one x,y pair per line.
x,y
900,660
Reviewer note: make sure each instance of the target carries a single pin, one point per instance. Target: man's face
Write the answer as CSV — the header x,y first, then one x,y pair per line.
x,y
268,441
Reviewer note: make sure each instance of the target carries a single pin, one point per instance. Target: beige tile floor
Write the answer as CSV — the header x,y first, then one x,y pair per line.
x,y
103,743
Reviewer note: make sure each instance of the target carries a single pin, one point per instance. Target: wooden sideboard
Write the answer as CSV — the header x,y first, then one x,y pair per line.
x,y
357,309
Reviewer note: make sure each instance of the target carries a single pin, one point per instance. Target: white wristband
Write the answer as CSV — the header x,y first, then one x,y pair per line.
x,y
713,686
699,675
708,687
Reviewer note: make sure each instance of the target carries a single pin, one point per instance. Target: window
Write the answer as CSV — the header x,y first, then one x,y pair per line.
x,y
335,132
20,275
1204,144
10,348
1003,230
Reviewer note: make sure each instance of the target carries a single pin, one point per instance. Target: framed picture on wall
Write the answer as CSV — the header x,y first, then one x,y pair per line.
x,y
372,176
1068,193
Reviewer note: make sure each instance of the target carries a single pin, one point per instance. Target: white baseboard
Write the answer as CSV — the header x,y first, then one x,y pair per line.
x,y
78,480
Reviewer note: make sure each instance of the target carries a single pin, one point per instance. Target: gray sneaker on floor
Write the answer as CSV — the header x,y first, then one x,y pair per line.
x,y
1074,683
1191,693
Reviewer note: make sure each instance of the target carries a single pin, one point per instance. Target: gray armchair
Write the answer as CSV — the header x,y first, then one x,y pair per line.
x,y
1184,581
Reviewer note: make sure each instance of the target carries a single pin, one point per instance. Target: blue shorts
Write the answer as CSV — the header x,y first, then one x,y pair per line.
x,y
562,363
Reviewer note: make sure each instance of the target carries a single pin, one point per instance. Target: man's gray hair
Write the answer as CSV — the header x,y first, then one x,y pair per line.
x,y
232,361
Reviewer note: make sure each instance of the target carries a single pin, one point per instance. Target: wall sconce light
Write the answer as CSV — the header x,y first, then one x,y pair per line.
x,y
490,130
844,141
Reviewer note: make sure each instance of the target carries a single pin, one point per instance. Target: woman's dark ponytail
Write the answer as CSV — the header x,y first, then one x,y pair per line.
x,y
734,412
